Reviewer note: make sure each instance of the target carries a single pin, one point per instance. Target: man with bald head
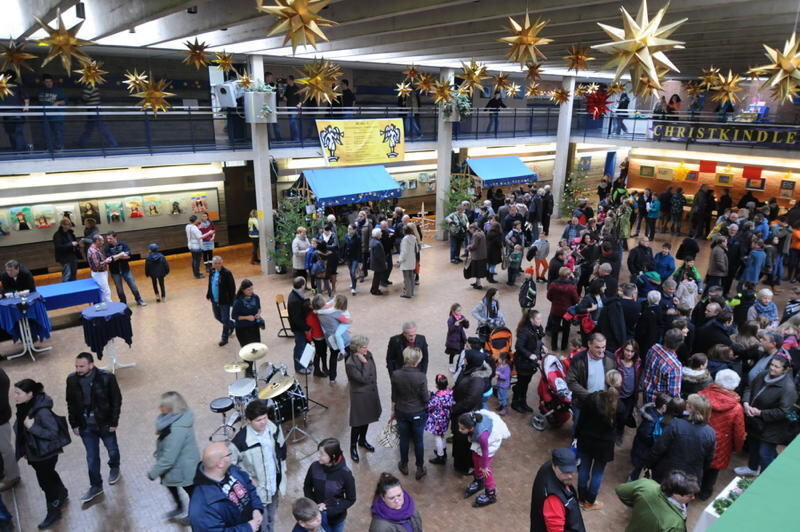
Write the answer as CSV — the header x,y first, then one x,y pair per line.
x,y
223,497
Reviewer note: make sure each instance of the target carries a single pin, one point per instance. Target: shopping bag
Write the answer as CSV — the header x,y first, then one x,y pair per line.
x,y
390,436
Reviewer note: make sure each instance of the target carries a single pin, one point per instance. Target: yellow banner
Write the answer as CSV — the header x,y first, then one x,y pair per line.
x,y
358,142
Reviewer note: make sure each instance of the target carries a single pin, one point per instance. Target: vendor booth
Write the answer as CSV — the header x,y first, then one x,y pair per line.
x,y
343,186
501,171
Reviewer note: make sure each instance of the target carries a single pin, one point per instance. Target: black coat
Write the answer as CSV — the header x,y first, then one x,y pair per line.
x,y
648,328
688,248
106,400
594,431
394,352
685,446
377,256
227,286
640,259
156,265
297,316
24,281
494,245
529,342
774,400
710,334
468,391
5,404
333,485
65,251
612,323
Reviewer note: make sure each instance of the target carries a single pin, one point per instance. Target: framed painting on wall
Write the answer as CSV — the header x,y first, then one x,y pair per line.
x,y
692,175
585,163
44,216
647,171
89,209
755,184
787,188
724,180
22,218
665,174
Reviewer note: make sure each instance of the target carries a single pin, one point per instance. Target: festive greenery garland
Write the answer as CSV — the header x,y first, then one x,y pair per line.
x,y
722,504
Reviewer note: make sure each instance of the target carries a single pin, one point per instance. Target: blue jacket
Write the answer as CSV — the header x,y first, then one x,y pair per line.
x,y
754,265
664,265
211,510
762,230
655,209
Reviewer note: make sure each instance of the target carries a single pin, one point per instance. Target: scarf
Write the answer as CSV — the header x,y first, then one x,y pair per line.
x,y
163,421
400,517
769,310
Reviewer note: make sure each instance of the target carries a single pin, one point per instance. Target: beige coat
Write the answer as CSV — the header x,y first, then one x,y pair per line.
x,y
408,252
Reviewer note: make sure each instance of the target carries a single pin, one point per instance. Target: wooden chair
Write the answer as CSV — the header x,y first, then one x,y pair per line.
x,y
283,313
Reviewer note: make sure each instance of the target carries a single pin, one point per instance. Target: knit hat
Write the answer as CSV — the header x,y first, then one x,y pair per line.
x,y
653,276
474,359
728,379
153,247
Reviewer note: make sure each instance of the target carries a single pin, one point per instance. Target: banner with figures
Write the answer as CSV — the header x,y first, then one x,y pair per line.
x,y
356,142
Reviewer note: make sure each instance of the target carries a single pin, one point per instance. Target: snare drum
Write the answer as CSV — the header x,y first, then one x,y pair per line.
x,y
281,406
242,391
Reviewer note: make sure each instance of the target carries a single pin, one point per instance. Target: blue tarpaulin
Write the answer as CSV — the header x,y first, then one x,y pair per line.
x,y
354,184
502,171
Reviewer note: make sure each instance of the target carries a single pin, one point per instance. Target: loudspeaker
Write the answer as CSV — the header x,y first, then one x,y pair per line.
x,y
226,93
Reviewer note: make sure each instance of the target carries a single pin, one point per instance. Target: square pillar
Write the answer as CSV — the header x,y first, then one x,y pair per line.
x,y
444,155
561,163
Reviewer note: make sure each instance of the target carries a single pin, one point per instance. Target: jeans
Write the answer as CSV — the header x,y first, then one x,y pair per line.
x,y
91,435
494,122
222,313
650,231
676,220
276,131
761,454
48,479
502,396
53,134
101,278
15,131
70,271
619,125
412,426
128,277
590,476
159,282
93,122
352,267
455,246
412,126
777,270
338,527
294,125
197,255
269,513
299,345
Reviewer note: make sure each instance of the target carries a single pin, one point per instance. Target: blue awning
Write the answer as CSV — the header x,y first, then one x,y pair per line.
x,y
502,171
354,184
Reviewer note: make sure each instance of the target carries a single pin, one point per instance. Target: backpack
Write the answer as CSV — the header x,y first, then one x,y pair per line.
x,y
527,294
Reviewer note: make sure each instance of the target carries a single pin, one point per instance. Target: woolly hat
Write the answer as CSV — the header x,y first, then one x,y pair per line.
x,y
728,379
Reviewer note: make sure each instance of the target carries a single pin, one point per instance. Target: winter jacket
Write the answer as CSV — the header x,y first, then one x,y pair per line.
x,y
648,328
456,335
468,390
382,525
685,446
654,211
246,453
774,400
297,316
352,248
45,428
753,266
227,286
156,265
652,511
648,431
481,314
498,431
333,485
477,249
693,380
640,259
211,509
299,248
578,374
709,335
409,390
106,400
65,251
688,248
727,420
365,401
377,256
176,453
494,244
664,264
394,352
562,294
408,252
529,343
594,431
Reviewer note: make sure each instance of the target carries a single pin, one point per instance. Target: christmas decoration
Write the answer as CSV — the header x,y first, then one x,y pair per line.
x,y
616,88
441,92
154,96
580,90
752,172
474,74
403,89
577,58
755,73
597,104
646,85
500,81
91,74
196,54
726,88
591,88
512,90
63,42
784,76
707,167
412,73
319,81
14,57
299,19
135,82
723,503
5,86
575,189
709,78
534,72
425,83
533,90
245,80
639,47
524,40
224,61
559,96
693,89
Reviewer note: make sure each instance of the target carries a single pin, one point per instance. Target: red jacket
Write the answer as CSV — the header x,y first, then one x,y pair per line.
x,y
562,294
727,420
314,327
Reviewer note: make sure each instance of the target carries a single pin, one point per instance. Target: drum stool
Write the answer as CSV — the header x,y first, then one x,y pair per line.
x,y
223,405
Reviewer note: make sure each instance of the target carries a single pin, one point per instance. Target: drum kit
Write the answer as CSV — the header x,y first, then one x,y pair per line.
x,y
282,393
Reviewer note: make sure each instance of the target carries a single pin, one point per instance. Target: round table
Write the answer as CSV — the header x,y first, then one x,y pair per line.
x,y
25,319
102,325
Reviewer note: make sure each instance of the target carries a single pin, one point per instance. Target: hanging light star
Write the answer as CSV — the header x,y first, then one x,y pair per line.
x,y
5,86
403,89
592,88
441,92
63,42
559,96
597,104
524,40
135,82
425,83
644,85
616,88
534,72
411,73
533,90
783,70
693,89
577,58
709,78
474,74
639,47
755,73
580,90
319,81
245,80
91,74
500,81
154,96
196,54
224,61
463,90
726,88
299,19
512,90
14,57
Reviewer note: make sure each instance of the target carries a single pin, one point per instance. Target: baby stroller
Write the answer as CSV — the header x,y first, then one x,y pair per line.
x,y
554,395
498,340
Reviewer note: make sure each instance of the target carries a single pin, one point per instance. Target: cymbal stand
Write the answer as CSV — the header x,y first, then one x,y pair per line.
x,y
310,400
292,395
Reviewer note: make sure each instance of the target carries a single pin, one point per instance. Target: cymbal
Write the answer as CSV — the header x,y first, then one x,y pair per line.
x,y
276,388
253,352
236,367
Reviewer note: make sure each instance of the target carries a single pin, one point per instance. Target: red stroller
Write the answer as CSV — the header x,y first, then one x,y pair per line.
x,y
554,395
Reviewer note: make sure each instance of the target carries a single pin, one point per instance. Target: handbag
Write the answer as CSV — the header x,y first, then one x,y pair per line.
x,y
468,268
390,436
45,447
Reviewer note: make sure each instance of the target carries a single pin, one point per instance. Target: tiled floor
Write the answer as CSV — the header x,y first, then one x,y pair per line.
x,y
175,347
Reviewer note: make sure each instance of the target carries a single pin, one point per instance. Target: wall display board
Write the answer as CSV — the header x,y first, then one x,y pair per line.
x,y
647,171
362,142
787,188
724,180
755,184
665,174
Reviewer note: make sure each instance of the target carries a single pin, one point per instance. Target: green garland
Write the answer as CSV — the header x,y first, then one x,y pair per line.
x,y
720,505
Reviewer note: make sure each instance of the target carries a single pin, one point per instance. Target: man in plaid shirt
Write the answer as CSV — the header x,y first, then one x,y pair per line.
x,y
662,370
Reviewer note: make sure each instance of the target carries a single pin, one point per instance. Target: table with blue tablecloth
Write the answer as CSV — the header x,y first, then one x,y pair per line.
x,y
101,325
11,312
70,294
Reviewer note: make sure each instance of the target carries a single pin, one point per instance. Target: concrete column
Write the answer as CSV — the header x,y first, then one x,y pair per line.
x,y
562,144
444,150
261,171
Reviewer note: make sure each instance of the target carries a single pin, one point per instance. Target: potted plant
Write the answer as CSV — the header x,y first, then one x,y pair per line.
x,y
457,107
259,104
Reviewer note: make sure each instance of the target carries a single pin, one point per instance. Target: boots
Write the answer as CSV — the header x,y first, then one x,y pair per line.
x,y
52,517
439,459
354,452
474,487
490,278
485,499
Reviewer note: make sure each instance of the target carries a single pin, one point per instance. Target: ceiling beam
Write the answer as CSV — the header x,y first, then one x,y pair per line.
x,y
113,16
25,10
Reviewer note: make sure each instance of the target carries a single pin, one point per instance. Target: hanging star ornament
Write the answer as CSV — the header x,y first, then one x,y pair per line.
x,y
5,86
512,90
500,81
91,74
154,96
441,92
244,80
135,82
224,61
196,54
14,57
693,89
577,58
559,96
425,83
63,42
298,19
755,73
616,88
473,75
592,88
597,104
726,88
580,90
411,73
524,40
638,47
783,70
709,78
404,89
533,89
319,81
534,72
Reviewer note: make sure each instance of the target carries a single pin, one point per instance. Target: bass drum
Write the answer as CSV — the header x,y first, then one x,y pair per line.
x,y
280,407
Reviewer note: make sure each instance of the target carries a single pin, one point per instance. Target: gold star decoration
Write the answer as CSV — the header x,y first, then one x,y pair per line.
x,y
524,40
135,82
14,56
726,88
513,90
577,57
639,47
245,80
412,73
224,61
196,54
783,72
474,74
403,89
91,74
533,90
752,73
319,81
709,78
154,96
559,96
463,90
425,83
693,89
500,81
5,86
441,92
580,90
646,85
592,88
534,72
63,42
616,88
299,19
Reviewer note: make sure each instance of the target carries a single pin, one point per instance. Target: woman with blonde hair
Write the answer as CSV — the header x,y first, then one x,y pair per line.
x,y
365,402
410,408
